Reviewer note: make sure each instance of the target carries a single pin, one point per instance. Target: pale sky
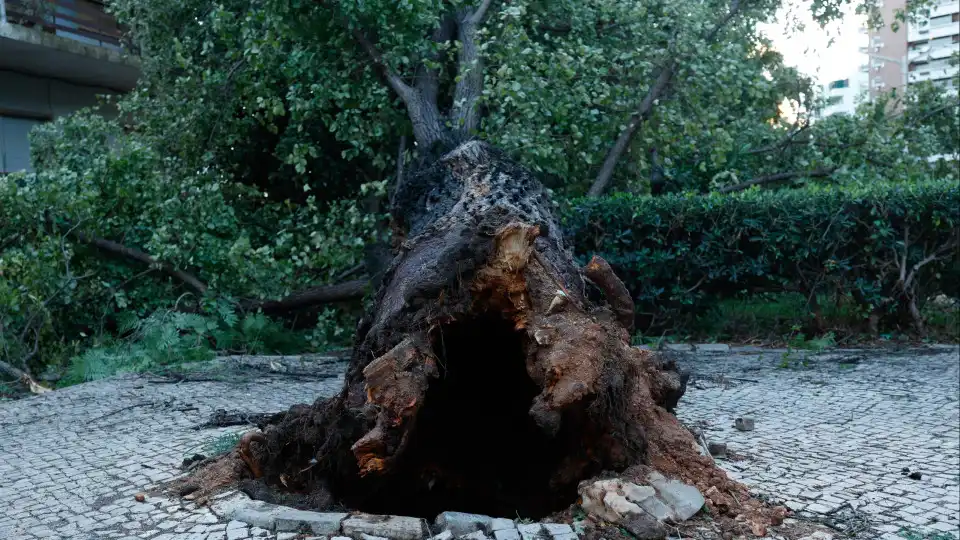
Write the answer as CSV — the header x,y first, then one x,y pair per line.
x,y
811,50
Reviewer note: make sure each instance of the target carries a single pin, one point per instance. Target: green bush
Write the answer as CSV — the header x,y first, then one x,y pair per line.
x,y
889,246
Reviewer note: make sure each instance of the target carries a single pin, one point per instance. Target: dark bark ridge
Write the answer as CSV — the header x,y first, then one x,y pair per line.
x,y
485,377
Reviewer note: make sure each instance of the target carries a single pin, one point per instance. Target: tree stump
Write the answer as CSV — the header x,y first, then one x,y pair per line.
x,y
492,373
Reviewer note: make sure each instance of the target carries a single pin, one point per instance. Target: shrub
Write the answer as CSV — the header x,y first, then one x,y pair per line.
x,y
890,246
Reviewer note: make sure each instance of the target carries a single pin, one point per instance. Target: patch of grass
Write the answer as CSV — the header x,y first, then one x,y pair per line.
x,y
787,318
912,534
221,445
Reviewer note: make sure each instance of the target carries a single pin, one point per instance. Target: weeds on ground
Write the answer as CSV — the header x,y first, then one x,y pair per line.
x,y
169,339
221,445
774,318
911,534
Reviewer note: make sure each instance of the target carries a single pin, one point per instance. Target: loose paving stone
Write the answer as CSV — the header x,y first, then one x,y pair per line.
x,y
460,523
499,524
392,527
289,519
506,534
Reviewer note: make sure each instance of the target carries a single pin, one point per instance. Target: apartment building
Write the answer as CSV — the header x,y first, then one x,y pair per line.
x,y
919,52
843,95
931,42
56,56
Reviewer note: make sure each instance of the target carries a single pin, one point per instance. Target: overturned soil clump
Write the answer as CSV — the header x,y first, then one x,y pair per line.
x,y
492,374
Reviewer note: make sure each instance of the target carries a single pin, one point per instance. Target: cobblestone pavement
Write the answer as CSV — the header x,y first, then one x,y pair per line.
x,y
836,433
71,461
837,430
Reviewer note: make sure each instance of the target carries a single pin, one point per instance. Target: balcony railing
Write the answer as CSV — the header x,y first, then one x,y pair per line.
x,y
81,20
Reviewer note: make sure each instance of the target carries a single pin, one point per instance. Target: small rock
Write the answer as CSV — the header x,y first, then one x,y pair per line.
x,y
559,531
139,497
905,471
475,535
915,475
460,523
744,424
530,531
393,527
289,519
506,534
717,449
445,535
685,500
644,527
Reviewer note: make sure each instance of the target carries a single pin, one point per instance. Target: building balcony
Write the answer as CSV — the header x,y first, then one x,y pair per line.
x,y
932,74
75,41
944,8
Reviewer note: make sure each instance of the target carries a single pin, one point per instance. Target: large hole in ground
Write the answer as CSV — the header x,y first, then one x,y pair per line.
x,y
475,447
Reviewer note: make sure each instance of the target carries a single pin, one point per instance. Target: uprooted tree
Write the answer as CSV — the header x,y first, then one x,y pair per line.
x,y
492,373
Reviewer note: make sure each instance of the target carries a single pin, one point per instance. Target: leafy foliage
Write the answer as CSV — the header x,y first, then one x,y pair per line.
x,y
257,149
681,254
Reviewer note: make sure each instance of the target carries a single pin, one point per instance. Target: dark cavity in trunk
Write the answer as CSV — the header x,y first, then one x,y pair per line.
x,y
475,447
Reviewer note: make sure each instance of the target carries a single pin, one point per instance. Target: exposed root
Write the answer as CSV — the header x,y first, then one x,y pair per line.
x,y
485,379
247,456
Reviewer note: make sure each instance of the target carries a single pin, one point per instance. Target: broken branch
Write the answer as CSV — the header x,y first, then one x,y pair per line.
x,y
823,172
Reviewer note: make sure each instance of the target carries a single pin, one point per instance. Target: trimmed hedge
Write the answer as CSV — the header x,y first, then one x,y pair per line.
x,y
680,254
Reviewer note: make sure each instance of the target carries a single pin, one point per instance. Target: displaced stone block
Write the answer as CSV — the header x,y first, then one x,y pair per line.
x,y
554,529
499,524
475,535
392,527
506,534
289,519
445,535
460,523
531,531
717,449
744,424
683,499
644,526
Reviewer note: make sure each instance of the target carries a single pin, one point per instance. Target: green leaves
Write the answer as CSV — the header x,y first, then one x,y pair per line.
x,y
680,255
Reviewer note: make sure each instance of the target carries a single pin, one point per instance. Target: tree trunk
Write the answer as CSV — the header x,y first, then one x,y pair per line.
x,y
490,375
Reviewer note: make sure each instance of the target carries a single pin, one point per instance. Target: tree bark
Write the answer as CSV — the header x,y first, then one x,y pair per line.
x,y
488,376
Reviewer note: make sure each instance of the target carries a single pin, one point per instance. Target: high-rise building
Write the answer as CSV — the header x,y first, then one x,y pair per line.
x,y
56,56
915,52
932,41
843,95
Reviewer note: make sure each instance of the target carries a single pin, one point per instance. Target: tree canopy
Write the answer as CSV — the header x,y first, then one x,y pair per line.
x,y
253,158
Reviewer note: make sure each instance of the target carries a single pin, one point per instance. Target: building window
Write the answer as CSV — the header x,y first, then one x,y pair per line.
x,y
14,144
842,83
945,20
